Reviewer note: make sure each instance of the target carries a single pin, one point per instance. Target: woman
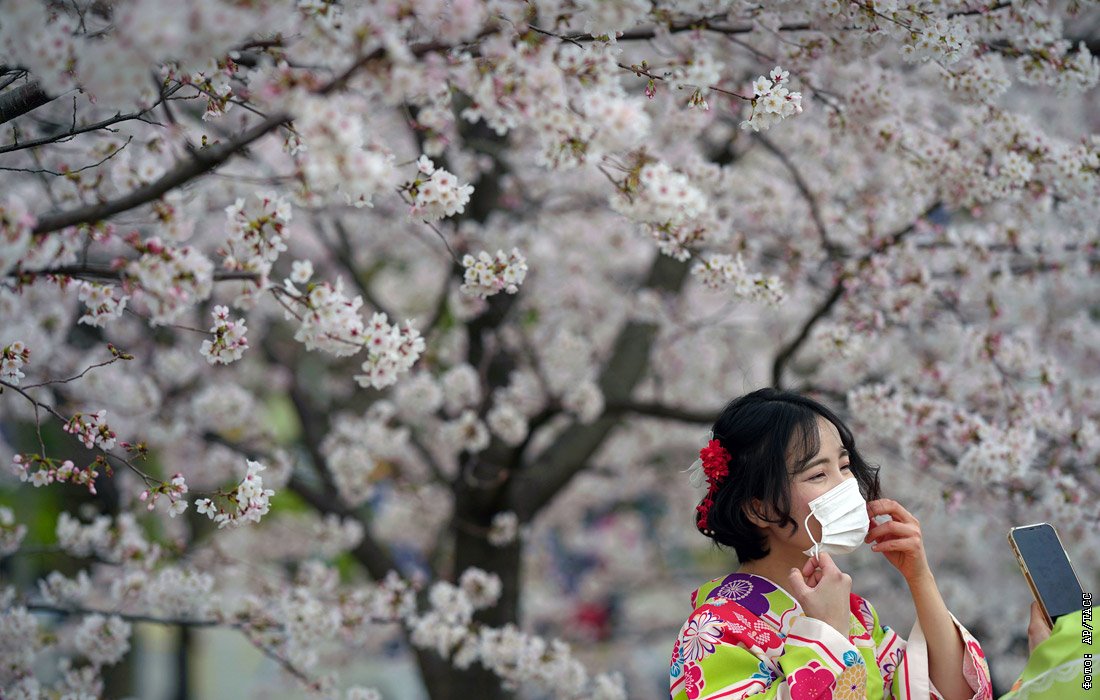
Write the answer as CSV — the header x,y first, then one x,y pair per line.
x,y
787,489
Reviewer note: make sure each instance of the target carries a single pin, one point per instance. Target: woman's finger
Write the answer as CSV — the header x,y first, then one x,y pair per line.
x,y
888,506
892,530
907,544
828,566
809,567
1038,631
797,584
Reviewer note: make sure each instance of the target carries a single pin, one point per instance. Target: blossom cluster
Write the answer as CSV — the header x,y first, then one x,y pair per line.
x,y
252,500
213,80
436,193
21,641
720,271
103,640
229,342
391,351
519,658
941,39
117,541
101,303
16,223
330,320
256,230
503,529
338,154
171,279
41,471
355,450
175,488
662,196
92,430
772,101
1064,70
487,275
12,359
11,532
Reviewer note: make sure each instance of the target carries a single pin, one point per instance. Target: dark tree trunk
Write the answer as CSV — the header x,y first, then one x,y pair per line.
x,y
182,690
477,681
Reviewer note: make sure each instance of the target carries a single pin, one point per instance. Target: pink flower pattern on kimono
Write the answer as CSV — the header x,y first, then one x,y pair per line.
x,y
693,681
703,631
977,671
814,682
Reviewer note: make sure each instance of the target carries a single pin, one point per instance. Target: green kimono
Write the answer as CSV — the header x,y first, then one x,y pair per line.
x,y
1056,669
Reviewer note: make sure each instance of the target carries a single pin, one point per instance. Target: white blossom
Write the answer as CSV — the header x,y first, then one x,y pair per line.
x,y
103,640
102,305
487,275
504,528
11,532
229,341
437,193
171,279
772,101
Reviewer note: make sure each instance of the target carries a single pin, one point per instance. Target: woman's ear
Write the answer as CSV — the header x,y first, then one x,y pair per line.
x,y
756,513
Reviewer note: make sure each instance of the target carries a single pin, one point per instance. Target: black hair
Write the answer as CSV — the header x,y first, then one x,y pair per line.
x,y
770,434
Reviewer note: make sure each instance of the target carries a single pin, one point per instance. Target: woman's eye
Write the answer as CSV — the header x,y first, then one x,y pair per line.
x,y
815,477
847,466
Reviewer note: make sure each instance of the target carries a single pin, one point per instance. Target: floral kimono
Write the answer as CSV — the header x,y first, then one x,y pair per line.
x,y
749,637
1056,669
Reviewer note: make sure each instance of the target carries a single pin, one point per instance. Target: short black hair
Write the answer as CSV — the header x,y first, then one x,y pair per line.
x,y
761,431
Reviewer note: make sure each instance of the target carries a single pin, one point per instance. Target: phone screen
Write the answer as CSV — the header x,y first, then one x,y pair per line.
x,y
1049,568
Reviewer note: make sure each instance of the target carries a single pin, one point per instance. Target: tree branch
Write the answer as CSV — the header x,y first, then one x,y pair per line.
x,y
704,24
822,310
369,552
656,410
106,272
831,248
23,99
346,258
533,487
74,131
826,306
199,163
180,622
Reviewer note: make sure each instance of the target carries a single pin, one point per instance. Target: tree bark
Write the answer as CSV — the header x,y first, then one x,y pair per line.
x,y
23,99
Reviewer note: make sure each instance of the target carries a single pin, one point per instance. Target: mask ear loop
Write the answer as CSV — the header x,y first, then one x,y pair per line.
x,y
817,545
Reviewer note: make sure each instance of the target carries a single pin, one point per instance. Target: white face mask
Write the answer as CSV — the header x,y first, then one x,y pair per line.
x,y
842,513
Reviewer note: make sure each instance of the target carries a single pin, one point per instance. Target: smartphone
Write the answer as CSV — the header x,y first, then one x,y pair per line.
x,y
1046,567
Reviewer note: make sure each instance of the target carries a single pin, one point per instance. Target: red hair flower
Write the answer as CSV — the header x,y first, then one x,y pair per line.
x,y
716,466
716,461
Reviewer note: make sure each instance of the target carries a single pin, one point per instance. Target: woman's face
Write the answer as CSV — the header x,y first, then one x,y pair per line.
x,y
825,470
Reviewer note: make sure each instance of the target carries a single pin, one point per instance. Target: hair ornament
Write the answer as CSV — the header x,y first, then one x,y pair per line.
x,y
696,475
714,461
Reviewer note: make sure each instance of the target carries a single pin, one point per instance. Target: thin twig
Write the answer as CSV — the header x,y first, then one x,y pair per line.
x,y
105,272
73,379
149,480
56,138
830,247
66,173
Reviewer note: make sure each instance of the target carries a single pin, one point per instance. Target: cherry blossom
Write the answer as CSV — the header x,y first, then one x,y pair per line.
x,y
252,258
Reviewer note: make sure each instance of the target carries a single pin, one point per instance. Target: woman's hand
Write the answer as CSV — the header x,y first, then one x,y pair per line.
x,y
824,592
899,539
1038,631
